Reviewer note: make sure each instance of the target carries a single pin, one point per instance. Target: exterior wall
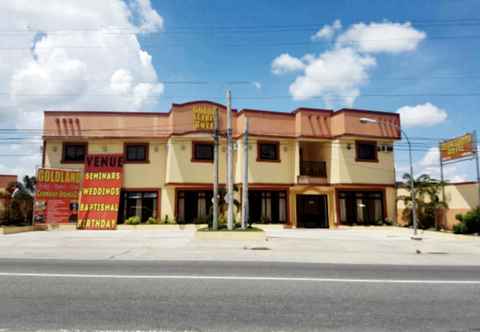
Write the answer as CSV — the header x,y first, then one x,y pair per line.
x,y
345,169
266,172
460,197
180,167
170,136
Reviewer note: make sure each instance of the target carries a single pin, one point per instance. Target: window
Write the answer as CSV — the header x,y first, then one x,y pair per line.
x,y
267,206
268,151
142,204
202,151
361,208
137,152
366,151
74,152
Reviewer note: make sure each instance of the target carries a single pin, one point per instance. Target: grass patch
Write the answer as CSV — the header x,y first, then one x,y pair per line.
x,y
223,228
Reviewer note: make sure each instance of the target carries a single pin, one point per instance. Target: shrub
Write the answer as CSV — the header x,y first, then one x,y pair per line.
x,y
135,220
469,222
166,219
152,221
459,228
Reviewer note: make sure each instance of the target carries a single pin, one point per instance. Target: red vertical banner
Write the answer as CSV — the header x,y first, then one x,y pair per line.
x,y
100,194
56,196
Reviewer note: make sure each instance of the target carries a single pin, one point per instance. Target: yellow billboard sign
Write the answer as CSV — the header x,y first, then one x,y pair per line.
x,y
456,148
203,116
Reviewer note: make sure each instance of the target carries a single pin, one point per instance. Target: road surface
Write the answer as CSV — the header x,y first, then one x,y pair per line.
x,y
232,296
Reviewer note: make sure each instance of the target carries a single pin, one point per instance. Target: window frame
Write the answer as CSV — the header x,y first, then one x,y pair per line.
x,y
64,150
195,144
375,147
146,146
277,151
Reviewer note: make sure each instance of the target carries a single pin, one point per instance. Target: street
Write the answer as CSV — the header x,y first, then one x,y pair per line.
x,y
235,296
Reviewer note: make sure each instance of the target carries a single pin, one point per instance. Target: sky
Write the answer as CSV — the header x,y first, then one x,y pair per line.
x,y
143,55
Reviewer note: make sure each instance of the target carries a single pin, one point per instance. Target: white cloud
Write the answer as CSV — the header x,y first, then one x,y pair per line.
x,y
422,115
334,75
327,31
386,37
337,74
149,20
257,85
70,55
286,63
430,164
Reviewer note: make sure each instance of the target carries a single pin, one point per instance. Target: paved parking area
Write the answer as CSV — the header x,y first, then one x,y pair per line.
x,y
361,245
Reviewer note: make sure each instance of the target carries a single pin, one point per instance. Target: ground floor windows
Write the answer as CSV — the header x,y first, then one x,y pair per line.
x,y
143,204
267,206
194,206
361,207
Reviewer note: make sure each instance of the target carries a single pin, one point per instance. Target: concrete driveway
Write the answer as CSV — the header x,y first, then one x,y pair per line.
x,y
349,245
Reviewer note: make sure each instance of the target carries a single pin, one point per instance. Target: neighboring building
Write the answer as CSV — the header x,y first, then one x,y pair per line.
x,y
307,168
460,197
5,180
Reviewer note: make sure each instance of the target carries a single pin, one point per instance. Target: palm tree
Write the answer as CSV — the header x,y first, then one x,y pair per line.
x,y
427,199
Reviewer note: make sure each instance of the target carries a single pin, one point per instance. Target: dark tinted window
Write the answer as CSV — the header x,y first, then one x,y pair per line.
x,y
366,151
74,152
268,151
136,152
203,151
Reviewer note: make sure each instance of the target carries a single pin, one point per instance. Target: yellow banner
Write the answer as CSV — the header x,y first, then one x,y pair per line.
x,y
457,148
203,116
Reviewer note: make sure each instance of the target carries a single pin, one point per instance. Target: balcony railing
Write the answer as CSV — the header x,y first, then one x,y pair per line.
x,y
313,168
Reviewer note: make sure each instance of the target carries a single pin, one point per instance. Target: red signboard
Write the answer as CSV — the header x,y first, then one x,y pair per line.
x,y
56,196
100,194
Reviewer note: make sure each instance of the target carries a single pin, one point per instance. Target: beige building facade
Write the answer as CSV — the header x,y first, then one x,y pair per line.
x,y
307,168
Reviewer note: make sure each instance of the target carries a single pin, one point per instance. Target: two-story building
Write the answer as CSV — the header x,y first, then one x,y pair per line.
x,y
307,168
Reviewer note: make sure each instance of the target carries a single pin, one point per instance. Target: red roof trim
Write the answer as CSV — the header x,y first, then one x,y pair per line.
x,y
351,110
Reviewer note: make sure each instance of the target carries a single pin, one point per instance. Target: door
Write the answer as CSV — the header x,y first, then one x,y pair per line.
x,y
312,211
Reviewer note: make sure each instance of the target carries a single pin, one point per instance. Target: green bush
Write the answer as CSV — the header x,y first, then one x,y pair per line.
x,y
166,219
469,222
152,221
135,220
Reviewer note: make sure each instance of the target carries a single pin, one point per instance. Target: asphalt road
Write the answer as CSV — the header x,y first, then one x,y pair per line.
x,y
224,296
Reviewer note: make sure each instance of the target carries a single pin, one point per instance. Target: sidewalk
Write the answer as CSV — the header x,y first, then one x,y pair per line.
x,y
346,245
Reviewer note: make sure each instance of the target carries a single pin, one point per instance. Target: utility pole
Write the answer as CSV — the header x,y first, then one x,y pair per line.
x,y
229,162
245,177
477,163
215,170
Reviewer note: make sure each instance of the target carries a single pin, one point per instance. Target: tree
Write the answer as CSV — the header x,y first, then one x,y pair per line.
x,y
427,199
20,208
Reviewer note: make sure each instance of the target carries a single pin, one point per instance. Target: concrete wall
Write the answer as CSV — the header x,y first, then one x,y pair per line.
x,y
460,197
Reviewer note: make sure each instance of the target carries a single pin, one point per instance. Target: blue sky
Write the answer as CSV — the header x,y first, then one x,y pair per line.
x,y
216,42
438,65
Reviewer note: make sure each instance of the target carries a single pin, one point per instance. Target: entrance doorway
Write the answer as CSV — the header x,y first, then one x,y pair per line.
x,y
312,211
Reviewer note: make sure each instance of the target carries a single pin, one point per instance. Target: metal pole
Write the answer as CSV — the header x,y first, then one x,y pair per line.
x,y
475,138
229,163
245,177
412,187
441,184
215,172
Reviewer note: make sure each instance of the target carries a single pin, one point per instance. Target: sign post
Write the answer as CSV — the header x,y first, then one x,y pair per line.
x,y
457,150
100,194
56,196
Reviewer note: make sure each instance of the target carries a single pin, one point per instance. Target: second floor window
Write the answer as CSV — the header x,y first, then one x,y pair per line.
x,y
268,151
136,152
74,152
366,151
202,152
